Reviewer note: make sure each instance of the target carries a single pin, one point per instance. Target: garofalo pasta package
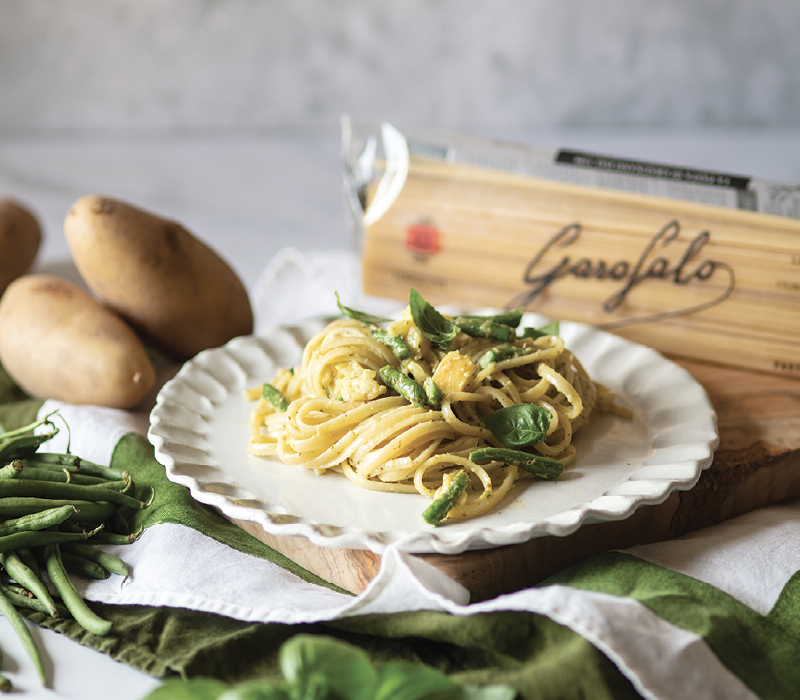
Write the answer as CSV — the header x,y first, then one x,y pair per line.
x,y
694,263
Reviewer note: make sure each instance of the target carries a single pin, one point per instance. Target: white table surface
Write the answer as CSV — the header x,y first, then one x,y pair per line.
x,y
248,196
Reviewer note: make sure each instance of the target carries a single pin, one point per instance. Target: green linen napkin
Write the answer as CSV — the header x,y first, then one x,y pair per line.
x,y
510,645
541,659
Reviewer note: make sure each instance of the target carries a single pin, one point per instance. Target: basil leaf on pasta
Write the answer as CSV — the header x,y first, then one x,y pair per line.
x,y
551,328
520,425
430,322
359,315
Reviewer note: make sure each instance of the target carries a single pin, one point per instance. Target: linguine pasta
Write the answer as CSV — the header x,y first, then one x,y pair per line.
x,y
403,409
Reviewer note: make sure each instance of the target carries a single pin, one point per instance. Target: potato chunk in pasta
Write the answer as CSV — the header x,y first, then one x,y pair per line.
x,y
411,425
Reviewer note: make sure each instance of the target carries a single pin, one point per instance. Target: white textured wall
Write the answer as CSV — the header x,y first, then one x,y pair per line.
x,y
233,64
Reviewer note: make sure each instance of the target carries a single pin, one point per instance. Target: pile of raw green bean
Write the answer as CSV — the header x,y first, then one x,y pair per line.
x,y
50,505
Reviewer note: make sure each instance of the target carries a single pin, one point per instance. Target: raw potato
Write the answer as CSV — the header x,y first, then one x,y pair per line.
x,y
173,289
20,237
59,342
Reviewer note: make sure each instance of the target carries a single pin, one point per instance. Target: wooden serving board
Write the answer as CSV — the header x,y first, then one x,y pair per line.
x,y
757,464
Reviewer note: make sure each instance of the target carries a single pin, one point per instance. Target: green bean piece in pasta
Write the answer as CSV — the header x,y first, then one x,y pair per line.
x,y
403,385
275,397
484,328
511,318
543,467
82,613
496,355
438,510
394,342
433,394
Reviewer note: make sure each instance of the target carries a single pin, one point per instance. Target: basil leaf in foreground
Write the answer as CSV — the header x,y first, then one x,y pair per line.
x,y
316,665
430,322
412,681
359,315
520,425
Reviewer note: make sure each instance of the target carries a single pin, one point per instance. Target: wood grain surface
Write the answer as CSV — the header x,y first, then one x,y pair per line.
x,y
757,464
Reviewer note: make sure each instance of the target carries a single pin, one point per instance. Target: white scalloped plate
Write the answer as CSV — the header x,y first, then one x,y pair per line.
x,y
199,428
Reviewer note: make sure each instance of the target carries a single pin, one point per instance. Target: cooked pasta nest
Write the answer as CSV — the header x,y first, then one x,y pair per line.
x,y
341,415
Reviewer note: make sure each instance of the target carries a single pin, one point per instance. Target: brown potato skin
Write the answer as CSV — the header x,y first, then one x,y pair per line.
x,y
171,287
59,342
20,238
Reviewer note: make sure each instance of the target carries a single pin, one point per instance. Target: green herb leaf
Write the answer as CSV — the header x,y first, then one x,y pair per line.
x,y
551,328
257,690
430,322
489,692
275,397
520,425
193,689
403,680
359,315
316,665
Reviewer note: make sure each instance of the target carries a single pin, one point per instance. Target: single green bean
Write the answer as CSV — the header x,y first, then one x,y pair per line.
x,y
119,522
49,489
37,538
507,318
105,559
102,470
27,577
86,511
484,328
81,566
71,462
275,397
18,623
403,385
23,601
22,446
11,470
36,521
82,613
5,684
438,510
26,428
54,460
543,467
495,355
394,342
433,394
64,476
105,537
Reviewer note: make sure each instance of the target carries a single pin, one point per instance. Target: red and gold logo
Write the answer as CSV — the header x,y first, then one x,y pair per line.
x,y
423,239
